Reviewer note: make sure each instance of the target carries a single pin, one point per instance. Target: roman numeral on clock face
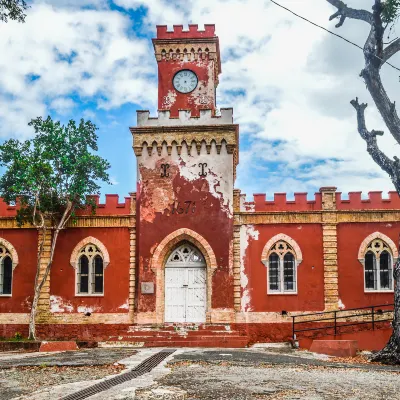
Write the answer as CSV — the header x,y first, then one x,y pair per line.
x,y
185,81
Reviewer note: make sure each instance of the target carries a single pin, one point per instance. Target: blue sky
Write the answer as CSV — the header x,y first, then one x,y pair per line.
x,y
290,84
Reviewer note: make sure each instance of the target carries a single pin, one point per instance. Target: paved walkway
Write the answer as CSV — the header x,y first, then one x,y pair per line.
x,y
216,374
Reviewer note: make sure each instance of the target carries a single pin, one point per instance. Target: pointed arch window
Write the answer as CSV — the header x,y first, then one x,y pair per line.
x,y
6,271
282,268
90,271
378,267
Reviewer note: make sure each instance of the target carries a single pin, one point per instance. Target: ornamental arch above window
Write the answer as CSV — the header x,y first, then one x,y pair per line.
x,y
8,262
378,254
281,256
89,258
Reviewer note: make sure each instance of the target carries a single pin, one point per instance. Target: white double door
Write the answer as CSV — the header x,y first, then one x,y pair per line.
x,y
185,294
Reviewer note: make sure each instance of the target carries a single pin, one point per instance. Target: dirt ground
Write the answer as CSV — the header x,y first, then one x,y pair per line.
x,y
202,380
191,374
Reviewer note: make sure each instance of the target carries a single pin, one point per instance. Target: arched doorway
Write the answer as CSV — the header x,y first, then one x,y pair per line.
x,y
185,285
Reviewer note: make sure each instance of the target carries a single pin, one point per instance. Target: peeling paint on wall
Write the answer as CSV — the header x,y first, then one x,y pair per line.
x,y
125,306
58,305
247,232
169,100
341,305
158,193
91,309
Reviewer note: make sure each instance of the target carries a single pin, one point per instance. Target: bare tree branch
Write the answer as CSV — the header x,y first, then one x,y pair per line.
x,y
346,12
391,50
389,166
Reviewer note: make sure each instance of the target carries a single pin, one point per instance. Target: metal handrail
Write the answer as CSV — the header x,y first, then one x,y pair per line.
x,y
335,318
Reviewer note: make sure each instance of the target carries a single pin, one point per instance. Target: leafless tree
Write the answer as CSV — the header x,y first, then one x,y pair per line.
x,y
383,15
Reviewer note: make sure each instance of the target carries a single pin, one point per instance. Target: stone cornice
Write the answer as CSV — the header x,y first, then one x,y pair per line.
x,y
184,129
90,221
316,217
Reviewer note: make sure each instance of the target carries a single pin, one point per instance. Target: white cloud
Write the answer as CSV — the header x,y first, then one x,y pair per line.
x,y
62,51
290,82
62,105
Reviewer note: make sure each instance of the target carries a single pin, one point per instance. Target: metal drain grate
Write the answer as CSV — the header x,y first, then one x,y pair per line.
x,y
144,367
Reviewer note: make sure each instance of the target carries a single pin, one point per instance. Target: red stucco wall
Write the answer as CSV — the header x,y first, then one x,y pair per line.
x,y
202,69
25,243
116,275
209,221
351,278
310,274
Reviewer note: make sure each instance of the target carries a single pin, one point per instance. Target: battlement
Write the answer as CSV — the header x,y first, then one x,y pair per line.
x,y
185,118
112,206
280,203
178,32
374,201
301,203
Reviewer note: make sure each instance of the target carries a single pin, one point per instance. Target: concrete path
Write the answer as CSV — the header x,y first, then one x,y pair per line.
x,y
211,374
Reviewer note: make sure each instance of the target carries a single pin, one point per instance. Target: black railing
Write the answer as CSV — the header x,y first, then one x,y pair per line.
x,y
376,314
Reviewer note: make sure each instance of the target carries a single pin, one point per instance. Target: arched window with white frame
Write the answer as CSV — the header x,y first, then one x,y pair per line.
x,y
89,258
90,274
280,259
8,261
378,266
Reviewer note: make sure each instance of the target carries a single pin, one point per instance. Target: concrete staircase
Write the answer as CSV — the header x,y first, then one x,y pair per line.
x,y
179,335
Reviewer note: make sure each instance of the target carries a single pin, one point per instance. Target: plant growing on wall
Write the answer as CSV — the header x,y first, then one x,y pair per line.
x,y
381,20
49,177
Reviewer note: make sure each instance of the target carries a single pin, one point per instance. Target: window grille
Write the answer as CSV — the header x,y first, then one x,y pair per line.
x,y
282,268
378,267
90,272
6,271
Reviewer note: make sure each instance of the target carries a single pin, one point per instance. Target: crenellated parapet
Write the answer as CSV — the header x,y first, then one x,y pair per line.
x,y
112,206
280,203
373,202
302,203
179,32
185,118
187,45
163,135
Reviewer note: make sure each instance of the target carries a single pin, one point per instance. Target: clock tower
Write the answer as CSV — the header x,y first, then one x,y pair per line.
x,y
186,163
188,68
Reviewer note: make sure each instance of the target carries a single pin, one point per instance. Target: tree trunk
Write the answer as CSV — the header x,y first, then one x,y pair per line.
x,y
39,283
32,316
390,354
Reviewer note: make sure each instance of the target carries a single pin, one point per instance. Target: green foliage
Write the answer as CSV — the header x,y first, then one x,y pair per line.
x,y
13,9
55,169
18,336
391,11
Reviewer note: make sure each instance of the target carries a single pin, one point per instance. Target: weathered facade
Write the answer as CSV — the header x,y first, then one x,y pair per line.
x,y
187,247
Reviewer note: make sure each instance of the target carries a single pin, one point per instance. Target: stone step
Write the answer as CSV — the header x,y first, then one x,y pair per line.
x,y
228,343
174,338
174,327
183,333
199,343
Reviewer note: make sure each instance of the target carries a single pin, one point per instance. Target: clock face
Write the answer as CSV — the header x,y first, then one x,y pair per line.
x,y
185,81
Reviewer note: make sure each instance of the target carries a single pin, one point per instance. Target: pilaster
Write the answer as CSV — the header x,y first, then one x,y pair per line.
x,y
132,259
329,239
236,253
43,308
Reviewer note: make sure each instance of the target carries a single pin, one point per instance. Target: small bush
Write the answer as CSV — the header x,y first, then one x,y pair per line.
x,y
17,336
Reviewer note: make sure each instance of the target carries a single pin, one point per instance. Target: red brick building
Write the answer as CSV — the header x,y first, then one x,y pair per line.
x,y
186,247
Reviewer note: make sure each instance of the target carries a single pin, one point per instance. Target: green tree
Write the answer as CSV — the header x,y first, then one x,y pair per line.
x,y
381,19
49,177
13,9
